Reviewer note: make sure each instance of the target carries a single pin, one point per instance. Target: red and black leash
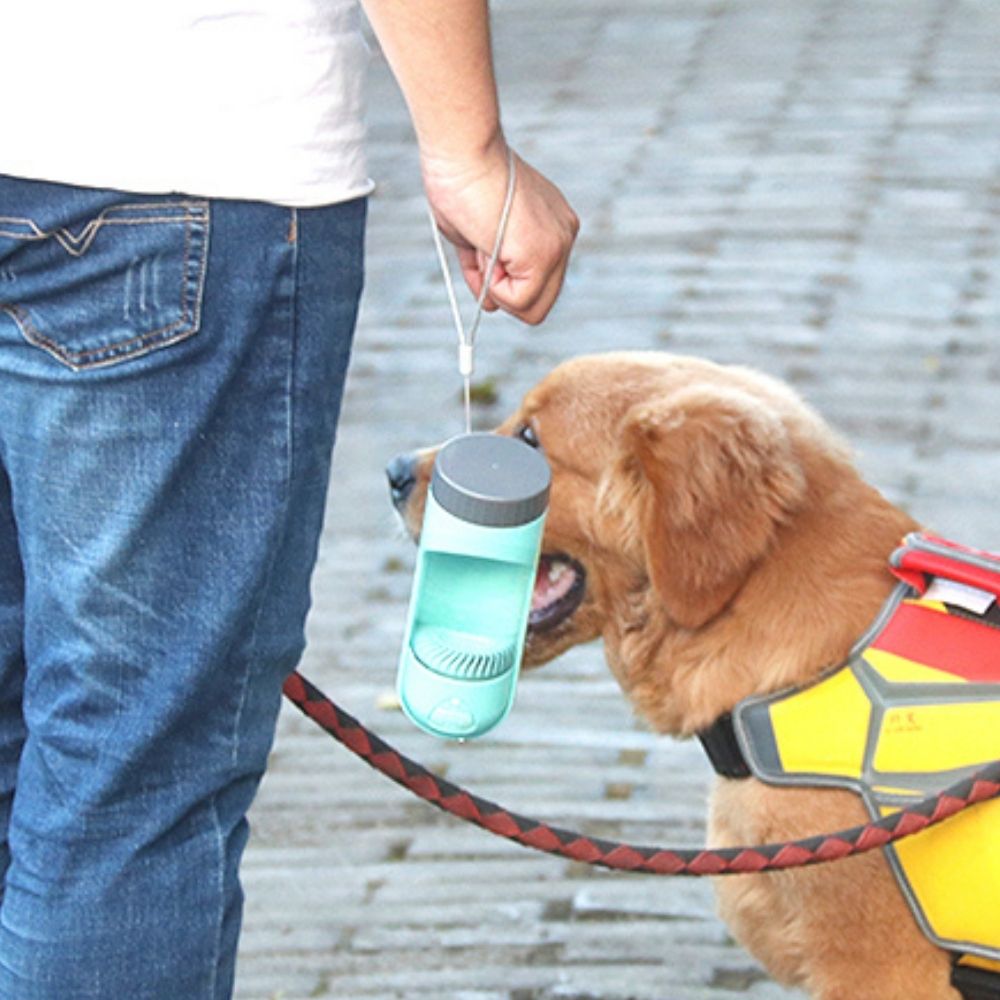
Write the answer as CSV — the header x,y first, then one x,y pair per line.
x,y
378,754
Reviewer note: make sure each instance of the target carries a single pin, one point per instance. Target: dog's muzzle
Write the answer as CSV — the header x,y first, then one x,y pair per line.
x,y
401,473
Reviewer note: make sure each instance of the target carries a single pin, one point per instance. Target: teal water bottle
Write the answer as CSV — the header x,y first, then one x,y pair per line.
x,y
475,573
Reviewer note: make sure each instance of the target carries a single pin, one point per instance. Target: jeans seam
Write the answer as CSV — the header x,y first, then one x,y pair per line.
x,y
220,841
289,473
143,343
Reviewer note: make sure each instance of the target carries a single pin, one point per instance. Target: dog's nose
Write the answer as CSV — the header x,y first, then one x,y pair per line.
x,y
401,473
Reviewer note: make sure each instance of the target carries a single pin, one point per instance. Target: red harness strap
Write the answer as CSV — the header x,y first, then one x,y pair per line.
x,y
924,556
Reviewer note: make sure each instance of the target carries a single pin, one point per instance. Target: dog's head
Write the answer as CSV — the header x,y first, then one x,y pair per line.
x,y
672,480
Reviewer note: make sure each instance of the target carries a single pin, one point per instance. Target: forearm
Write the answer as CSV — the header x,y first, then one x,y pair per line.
x,y
439,52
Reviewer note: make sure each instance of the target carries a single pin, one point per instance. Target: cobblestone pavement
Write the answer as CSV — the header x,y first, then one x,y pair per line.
x,y
809,186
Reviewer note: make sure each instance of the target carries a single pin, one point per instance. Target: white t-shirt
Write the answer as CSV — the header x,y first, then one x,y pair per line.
x,y
254,99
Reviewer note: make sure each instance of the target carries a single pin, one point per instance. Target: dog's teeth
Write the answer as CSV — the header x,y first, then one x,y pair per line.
x,y
556,570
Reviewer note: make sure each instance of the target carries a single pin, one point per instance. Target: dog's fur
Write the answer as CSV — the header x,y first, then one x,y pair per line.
x,y
730,548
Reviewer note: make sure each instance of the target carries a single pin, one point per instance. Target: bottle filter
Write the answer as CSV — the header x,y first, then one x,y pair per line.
x,y
475,573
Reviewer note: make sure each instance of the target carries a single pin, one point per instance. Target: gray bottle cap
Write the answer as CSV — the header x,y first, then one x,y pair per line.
x,y
492,480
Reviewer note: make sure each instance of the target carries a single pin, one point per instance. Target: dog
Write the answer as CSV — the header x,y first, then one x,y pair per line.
x,y
714,532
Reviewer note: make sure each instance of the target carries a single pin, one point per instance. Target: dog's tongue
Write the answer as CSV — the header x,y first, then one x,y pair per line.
x,y
552,582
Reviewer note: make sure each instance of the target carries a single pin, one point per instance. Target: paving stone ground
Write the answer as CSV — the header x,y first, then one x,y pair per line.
x,y
808,186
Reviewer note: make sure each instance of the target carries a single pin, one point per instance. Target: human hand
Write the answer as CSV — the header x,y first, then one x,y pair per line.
x,y
467,199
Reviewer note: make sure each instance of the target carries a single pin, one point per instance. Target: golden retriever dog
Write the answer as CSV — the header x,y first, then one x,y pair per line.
x,y
713,532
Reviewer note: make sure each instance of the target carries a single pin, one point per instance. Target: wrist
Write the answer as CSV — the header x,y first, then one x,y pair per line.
x,y
463,160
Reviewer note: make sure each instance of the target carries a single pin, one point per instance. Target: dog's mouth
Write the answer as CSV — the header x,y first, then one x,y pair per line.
x,y
560,584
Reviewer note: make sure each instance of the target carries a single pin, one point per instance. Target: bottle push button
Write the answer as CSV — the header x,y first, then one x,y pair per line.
x,y
453,717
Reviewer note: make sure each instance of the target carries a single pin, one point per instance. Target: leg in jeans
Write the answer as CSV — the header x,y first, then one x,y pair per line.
x,y
170,380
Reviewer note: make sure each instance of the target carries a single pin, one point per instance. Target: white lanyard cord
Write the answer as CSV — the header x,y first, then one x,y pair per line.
x,y
467,338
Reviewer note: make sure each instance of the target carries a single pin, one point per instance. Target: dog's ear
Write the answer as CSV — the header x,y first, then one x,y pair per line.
x,y
718,475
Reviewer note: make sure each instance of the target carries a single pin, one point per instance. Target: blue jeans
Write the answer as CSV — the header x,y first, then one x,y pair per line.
x,y
171,372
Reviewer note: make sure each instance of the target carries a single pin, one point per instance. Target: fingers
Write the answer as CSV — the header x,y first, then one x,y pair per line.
x,y
527,280
473,264
530,296
540,237
541,231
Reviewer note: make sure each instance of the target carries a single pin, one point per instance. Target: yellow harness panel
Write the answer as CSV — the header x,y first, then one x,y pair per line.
x,y
914,709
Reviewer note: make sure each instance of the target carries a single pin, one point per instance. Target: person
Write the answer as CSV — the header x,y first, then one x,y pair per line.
x,y
182,204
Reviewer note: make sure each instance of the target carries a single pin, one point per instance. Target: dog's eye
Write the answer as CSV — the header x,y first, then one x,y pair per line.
x,y
528,435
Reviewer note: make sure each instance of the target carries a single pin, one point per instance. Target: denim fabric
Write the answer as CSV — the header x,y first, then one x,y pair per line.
x,y
171,372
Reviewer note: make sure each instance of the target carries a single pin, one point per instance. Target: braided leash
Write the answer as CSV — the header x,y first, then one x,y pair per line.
x,y
481,812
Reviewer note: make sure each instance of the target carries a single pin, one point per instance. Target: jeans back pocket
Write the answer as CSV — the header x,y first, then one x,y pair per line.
x,y
120,284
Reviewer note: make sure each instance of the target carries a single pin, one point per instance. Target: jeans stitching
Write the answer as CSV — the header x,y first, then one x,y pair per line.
x,y
220,885
289,463
109,354
78,245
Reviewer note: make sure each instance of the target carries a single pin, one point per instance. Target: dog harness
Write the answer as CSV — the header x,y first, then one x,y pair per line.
x,y
915,707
